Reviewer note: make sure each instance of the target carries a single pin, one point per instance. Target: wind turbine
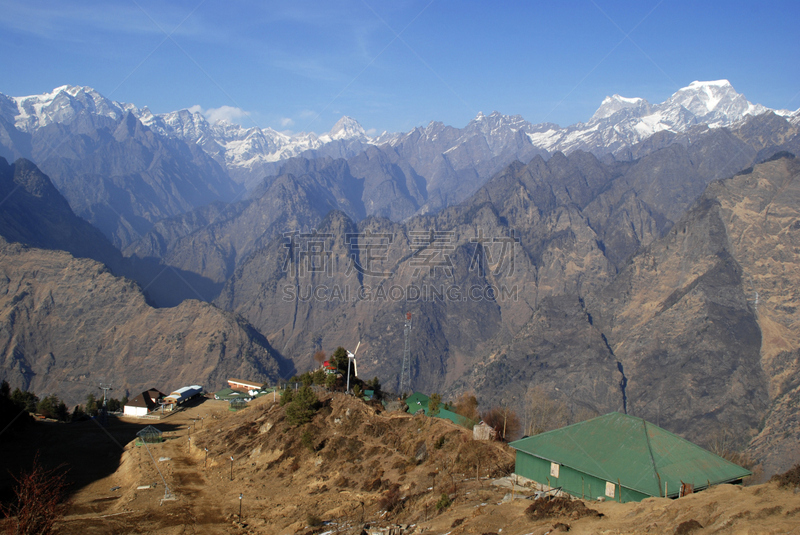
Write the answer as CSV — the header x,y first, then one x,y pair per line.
x,y
351,357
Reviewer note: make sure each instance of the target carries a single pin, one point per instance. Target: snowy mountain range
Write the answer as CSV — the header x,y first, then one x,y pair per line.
x,y
618,123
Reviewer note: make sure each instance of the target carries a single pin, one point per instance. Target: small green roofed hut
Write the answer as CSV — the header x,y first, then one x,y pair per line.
x,y
621,458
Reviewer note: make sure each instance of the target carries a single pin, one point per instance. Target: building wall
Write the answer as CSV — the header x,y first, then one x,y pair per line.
x,y
128,410
574,482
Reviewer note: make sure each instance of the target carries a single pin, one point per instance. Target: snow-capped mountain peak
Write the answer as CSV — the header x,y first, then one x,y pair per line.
x,y
63,105
347,128
615,103
620,122
703,97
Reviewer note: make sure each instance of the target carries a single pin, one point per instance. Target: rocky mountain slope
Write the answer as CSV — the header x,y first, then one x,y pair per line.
x,y
678,317
213,241
706,316
36,214
67,324
628,205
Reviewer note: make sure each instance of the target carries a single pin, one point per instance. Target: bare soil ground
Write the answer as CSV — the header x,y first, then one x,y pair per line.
x,y
352,466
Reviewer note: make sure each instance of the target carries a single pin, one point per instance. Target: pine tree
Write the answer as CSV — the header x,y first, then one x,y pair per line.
x,y
433,404
303,406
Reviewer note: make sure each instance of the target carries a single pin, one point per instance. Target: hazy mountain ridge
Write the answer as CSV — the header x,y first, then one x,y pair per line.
x,y
68,323
113,170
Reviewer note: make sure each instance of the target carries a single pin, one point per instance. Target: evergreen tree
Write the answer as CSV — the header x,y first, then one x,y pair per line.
x,y
62,412
340,361
286,396
433,404
302,407
77,414
25,401
92,405
318,376
374,384
52,407
330,381
114,405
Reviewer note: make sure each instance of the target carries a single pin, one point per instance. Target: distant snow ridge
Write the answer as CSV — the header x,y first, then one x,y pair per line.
x,y
618,123
230,144
63,105
238,147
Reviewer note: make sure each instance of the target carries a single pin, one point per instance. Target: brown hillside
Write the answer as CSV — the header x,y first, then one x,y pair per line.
x,y
67,324
368,468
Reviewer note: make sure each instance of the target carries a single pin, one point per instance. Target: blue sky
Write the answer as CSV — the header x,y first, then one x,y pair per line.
x,y
299,66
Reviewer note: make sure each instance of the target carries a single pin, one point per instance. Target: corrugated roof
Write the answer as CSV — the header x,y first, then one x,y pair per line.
x,y
255,384
641,455
193,388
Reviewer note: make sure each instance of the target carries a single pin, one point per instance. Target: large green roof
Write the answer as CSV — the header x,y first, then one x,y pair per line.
x,y
419,402
641,455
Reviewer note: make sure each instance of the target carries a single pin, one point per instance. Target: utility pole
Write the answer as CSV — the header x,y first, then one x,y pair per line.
x,y
105,389
405,372
104,408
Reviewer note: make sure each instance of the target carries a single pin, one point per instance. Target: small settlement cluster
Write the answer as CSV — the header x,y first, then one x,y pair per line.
x,y
611,457
152,403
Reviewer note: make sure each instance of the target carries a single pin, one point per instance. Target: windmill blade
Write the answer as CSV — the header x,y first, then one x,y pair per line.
x,y
355,364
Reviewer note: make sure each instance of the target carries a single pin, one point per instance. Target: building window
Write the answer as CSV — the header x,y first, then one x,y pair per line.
x,y
554,469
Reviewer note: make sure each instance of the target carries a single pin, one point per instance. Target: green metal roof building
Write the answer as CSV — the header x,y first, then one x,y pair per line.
x,y
229,394
418,401
621,458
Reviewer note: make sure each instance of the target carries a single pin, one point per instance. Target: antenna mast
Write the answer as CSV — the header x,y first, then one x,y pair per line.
x,y
405,372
